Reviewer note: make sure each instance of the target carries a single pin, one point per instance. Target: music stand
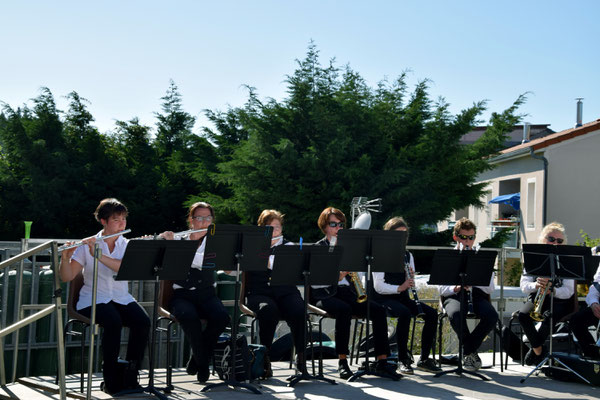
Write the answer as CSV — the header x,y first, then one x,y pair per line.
x,y
464,268
372,251
243,248
155,260
306,265
554,262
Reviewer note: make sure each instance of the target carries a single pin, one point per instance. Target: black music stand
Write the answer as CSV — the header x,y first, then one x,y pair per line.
x,y
155,260
555,262
372,251
243,248
464,268
306,265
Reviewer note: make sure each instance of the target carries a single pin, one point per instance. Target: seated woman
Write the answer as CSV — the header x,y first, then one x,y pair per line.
x,y
392,293
195,298
588,316
115,307
340,302
273,303
563,290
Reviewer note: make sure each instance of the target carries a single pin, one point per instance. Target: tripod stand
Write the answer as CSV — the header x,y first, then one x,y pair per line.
x,y
243,248
155,260
307,265
464,268
371,251
554,262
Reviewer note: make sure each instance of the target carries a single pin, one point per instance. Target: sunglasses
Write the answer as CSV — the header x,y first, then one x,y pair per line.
x,y
465,237
201,219
336,224
552,239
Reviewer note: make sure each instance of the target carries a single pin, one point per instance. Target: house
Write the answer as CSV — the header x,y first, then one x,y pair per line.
x,y
558,179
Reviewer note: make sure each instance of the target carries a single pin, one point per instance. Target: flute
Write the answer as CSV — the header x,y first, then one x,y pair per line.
x,y
80,243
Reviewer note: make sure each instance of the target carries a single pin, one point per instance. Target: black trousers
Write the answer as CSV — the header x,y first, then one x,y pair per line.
x,y
189,307
403,308
538,337
271,309
342,306
580,323
113,317
488,317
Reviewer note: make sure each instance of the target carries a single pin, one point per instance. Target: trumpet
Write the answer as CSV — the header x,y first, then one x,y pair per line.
x,y
410,275
361,296
80,243
536,314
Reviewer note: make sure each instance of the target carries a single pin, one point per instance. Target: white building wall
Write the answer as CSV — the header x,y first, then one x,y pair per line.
x,y
574,185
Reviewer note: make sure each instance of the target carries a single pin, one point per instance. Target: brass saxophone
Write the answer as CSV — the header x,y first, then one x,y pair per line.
x,y
361,296
536,314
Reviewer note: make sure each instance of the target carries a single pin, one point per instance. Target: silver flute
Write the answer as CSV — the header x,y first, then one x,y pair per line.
x,y
80,243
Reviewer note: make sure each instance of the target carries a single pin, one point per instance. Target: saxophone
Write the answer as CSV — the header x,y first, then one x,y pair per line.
x,y
361,296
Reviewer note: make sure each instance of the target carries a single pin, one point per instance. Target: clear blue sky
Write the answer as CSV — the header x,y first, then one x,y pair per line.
x,y
120,55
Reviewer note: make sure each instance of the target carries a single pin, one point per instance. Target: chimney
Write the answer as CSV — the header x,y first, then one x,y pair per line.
x,y
526,132
579,112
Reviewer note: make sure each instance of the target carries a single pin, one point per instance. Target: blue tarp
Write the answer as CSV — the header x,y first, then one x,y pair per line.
x,y
513,200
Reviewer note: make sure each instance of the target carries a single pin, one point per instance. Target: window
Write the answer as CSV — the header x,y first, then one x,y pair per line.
x,y
530,217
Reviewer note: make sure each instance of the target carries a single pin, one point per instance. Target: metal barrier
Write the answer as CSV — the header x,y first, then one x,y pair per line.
x,y
50,309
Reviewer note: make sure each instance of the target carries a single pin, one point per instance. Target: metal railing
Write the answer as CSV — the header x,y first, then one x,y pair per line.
x,y
50,309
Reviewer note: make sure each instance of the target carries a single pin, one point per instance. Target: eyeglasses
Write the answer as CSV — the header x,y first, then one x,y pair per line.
x,y
466,237
552,239
336,224
201,219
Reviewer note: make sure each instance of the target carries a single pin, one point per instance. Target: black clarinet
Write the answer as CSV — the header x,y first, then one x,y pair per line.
x,y
470,311
409,275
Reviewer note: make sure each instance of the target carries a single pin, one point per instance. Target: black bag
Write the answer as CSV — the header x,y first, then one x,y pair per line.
x,y
222,358
589,369
258,353
512,345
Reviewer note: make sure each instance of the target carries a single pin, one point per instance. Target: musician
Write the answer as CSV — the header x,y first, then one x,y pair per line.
x,y
115,307
464,234
581,321
563,290
195,298
392,292
273,303
340,302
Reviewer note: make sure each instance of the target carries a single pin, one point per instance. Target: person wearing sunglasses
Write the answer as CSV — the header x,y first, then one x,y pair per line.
x,y
340,301
195,299
562,290
271,304
588,316
464,235
392,292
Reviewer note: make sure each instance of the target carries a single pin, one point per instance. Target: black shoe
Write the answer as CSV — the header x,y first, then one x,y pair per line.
x,y
533,359
384,368
406,367
301,364
428,365
191,368
344,369
203,373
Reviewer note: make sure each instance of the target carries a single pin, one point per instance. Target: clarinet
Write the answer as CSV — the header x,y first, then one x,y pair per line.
x,y
470,310
409,275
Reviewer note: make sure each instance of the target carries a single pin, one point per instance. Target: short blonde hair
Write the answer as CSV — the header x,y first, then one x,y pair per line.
x,y
552,227
267,216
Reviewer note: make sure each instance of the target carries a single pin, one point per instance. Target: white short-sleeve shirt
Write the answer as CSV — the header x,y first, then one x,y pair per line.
x,y
108,289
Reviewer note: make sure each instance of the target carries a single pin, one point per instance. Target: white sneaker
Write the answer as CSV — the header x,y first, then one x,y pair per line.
x,y
470,363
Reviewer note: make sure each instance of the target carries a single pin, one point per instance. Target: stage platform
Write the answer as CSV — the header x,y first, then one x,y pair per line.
x,y
421,385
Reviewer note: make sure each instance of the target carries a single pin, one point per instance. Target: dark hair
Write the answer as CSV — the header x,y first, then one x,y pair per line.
x,y
463,224
109,207
267,216
394,223
197,205
324,217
